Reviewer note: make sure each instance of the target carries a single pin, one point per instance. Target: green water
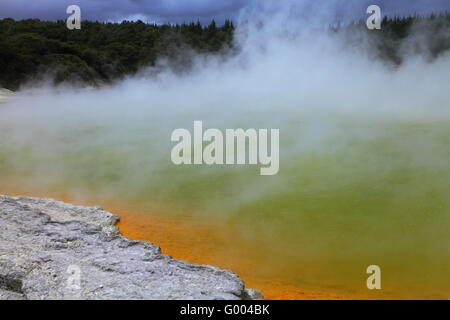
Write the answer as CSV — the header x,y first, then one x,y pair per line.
x,y
353,193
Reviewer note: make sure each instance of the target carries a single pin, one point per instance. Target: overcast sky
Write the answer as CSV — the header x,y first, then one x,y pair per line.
x,y
190,10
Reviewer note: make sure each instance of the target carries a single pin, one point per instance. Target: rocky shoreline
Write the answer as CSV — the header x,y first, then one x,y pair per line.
x,y
54,250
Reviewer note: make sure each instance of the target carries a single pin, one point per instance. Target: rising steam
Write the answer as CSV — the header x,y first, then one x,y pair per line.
x,y
364,145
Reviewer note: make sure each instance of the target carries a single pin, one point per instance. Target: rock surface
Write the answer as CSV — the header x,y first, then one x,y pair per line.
x,y
53,250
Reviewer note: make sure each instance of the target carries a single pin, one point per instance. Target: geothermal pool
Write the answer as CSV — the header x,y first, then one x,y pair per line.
x,y
354,189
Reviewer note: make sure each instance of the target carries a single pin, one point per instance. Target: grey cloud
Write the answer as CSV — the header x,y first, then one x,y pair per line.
x,y
205,10
105,10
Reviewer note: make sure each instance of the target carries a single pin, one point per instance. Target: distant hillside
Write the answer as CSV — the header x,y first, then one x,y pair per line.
x,y
99,52
103,52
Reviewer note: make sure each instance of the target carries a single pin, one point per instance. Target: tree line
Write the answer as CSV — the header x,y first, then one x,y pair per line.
x,y
401,37
103,52
99,52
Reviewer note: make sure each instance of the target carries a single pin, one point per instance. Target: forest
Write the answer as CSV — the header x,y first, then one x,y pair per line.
x,y
100,53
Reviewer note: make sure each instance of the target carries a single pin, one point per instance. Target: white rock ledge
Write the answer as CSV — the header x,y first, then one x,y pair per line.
x,y
45,243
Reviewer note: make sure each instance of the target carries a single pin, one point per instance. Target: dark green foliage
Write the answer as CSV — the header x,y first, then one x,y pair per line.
x,y
402,37
99,52
103,52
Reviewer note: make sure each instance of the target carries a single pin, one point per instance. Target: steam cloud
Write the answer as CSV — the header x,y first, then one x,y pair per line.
x,y
347,121
289,74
